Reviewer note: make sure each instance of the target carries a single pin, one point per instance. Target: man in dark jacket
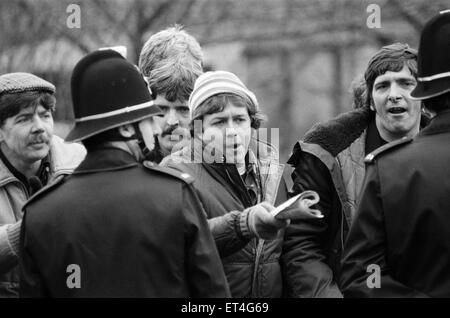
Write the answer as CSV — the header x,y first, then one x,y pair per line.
x,y
233,187
239,180
399,243
116,227
329,160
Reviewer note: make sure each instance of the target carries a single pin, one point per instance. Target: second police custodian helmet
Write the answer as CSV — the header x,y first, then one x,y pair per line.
x,y
433,78
107,92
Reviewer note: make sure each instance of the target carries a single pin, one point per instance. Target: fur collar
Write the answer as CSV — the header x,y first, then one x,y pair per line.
x,y
338,133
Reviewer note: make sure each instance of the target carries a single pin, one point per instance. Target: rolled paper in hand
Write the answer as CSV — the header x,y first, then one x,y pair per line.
x,y
299,207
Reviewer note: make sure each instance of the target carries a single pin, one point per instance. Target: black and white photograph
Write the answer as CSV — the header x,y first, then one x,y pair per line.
x,y
225,154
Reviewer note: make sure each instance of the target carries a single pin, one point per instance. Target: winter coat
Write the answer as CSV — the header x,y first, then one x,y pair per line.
x,y
252,266
330,161
130,230
13,195
401,231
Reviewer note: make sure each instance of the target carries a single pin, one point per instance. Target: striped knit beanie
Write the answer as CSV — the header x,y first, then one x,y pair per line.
x,y
212,83
24,82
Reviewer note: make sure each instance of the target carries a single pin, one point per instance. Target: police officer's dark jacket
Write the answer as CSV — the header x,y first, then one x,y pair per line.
x,y
403,222
129,230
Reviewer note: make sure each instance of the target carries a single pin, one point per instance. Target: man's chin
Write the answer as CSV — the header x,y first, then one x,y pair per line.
x,y
166,143
37,155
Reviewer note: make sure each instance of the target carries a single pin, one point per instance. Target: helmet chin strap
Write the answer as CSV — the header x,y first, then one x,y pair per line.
x,y
140,141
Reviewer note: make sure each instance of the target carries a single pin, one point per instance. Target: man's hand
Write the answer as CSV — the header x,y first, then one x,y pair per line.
x,y
261,222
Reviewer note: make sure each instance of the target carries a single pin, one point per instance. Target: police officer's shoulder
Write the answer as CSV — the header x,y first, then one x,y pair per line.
x,y
370,158
45,190
186,177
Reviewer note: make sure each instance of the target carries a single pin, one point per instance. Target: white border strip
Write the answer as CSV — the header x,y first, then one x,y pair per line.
x,y
433,77
115,112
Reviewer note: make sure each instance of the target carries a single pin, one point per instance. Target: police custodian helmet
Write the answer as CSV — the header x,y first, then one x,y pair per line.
x,y
433,76
107,92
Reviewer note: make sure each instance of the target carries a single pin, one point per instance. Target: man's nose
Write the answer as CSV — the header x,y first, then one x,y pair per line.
x,y
394,93
38,125
172,118
230,129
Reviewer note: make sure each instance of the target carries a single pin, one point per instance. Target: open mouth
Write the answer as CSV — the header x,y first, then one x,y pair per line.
x,y
397,110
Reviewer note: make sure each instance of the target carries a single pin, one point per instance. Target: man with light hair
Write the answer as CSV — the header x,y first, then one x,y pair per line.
x,y
171,60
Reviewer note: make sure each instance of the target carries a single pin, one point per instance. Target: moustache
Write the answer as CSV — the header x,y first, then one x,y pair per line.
x,y
39,139
168,131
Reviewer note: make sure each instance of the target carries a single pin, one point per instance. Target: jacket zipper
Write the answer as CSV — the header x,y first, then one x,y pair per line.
x,y
260,244
259,249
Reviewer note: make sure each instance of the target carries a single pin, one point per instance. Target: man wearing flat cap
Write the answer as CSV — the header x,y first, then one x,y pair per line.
x,y
30,157
399,243
117,227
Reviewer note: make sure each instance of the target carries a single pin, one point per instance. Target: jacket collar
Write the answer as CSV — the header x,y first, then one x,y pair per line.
x,y
63,158
106,159
8,173
5,174
438,124
340,132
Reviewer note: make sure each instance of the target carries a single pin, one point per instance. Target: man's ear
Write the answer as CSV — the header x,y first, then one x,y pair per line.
x,y
127,131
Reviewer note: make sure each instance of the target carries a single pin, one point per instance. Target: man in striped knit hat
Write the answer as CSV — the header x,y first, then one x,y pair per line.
x,y
239,180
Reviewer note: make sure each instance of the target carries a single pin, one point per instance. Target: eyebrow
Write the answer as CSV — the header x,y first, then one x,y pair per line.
x,y
226,116
400,79
219,117
24,115
34,112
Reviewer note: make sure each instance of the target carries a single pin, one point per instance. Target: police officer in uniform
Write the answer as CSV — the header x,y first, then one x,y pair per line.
x,y
116,227
399,243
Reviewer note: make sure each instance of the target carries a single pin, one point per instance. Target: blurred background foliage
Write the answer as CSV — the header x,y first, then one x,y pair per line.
x,y
300,57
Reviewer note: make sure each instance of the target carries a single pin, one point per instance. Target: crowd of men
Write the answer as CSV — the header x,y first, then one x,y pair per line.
x,y
162,188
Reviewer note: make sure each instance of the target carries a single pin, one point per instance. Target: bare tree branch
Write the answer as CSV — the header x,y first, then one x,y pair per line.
x,y
412,19
147,21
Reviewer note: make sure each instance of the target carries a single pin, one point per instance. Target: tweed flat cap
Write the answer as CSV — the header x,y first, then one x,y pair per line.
x,y
23,82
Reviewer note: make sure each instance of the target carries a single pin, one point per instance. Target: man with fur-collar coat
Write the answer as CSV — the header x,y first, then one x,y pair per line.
x,y
330,161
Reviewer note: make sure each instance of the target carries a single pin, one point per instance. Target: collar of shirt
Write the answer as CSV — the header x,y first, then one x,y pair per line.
x,y
43,172
252,183
248,185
